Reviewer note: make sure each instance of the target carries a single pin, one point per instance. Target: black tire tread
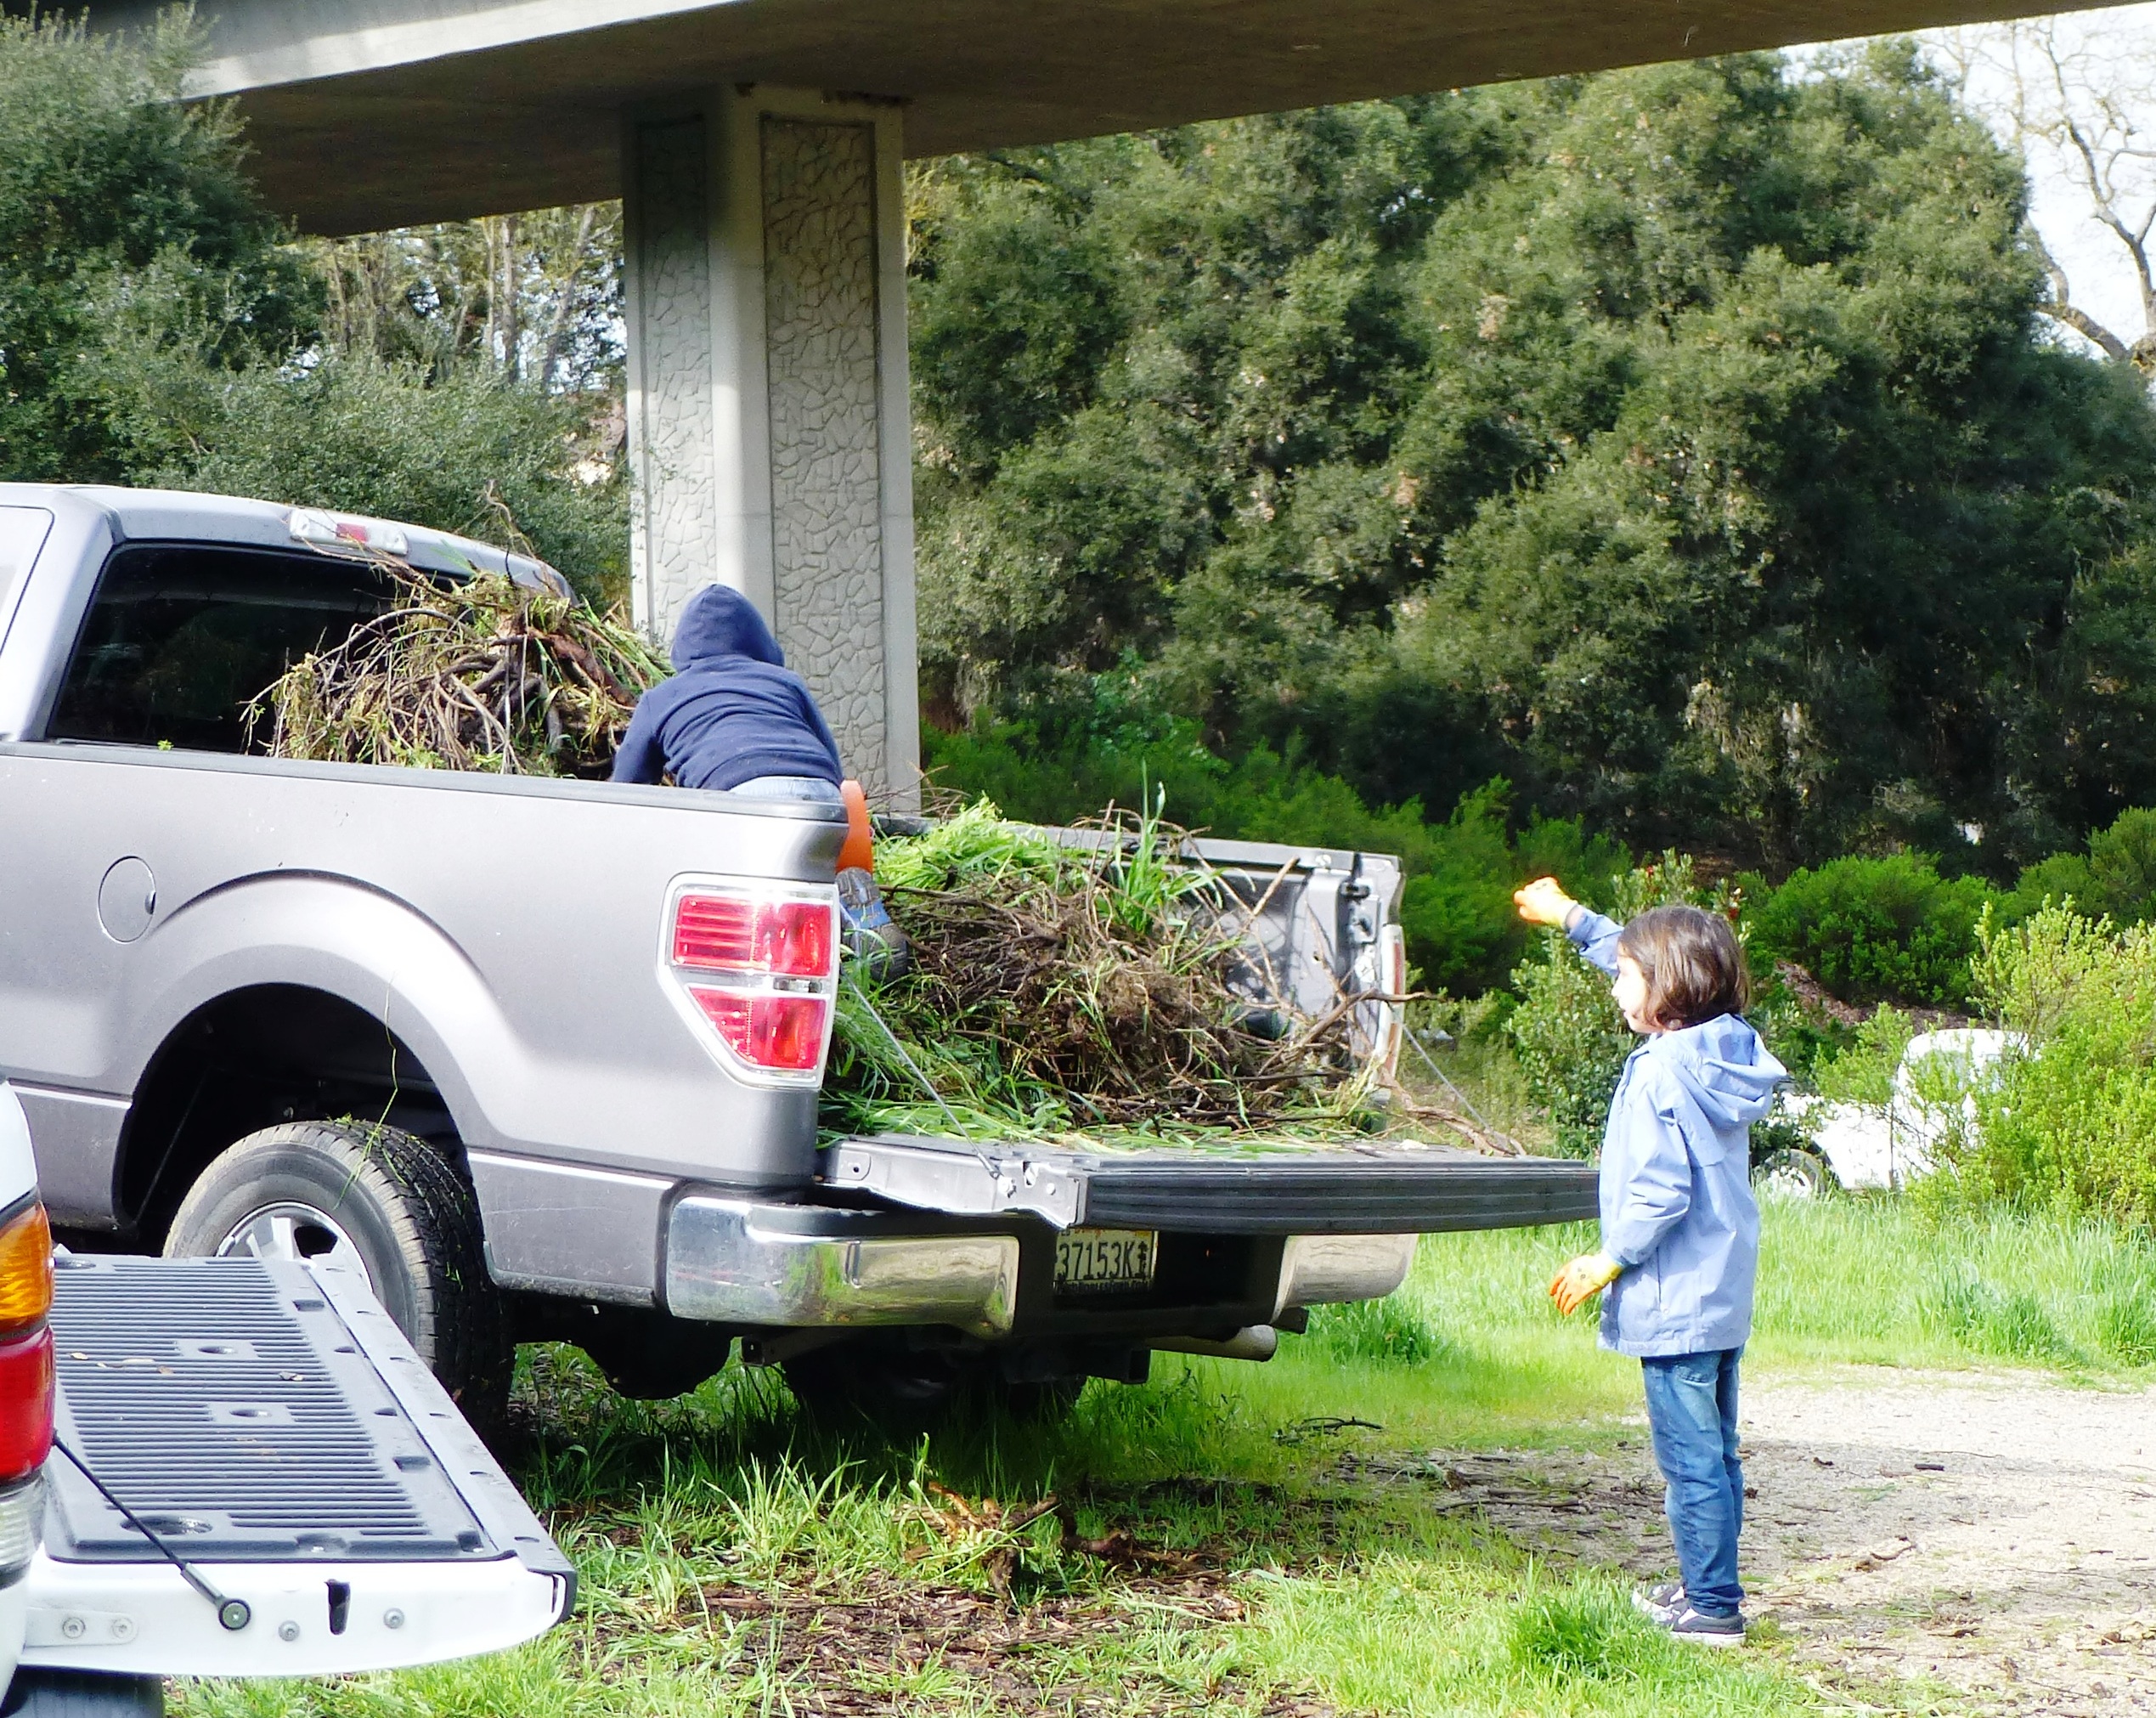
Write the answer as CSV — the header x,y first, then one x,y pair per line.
x,y
82,1694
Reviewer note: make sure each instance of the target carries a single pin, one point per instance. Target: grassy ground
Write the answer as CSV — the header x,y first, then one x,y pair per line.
x,y
1209,1549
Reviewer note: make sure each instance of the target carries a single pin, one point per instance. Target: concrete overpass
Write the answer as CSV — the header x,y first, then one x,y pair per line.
x,y
757,144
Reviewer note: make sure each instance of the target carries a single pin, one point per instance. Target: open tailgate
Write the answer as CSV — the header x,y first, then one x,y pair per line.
x,y
269,1423
1393,1187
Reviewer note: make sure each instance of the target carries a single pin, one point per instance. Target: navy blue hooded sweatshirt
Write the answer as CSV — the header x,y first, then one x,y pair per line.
x,y
732,711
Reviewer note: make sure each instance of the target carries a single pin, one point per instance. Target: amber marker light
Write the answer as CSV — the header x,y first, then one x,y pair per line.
x,y
25,1269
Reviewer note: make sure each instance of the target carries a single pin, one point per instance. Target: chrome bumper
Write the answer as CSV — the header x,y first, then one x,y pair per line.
x,y
739,1261
731,1261
1316,1269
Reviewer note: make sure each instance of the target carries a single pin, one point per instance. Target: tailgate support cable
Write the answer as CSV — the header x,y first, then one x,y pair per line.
x,y
233,1614
912,1067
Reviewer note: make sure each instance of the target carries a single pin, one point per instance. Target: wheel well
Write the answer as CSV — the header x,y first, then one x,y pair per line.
x,y
250,1059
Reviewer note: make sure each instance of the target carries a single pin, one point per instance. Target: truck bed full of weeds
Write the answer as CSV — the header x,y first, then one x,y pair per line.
x,y
1057,989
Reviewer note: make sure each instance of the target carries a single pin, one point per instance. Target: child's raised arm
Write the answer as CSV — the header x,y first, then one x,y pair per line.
x,y
1543,902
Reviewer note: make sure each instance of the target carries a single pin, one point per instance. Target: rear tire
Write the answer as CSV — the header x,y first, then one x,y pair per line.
x,y
396,1203
82,1694
1792,1173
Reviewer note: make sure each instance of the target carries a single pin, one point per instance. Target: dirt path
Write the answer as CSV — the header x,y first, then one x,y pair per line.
x,y
1991,1535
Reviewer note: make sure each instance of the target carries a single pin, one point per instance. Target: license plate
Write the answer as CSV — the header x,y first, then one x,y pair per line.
x,y
1093,1261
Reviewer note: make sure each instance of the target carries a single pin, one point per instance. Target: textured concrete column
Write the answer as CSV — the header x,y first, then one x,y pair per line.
x,y
768,436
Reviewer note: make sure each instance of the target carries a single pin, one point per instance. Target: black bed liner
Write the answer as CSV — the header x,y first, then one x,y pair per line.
x,y
1391,1187
249,1410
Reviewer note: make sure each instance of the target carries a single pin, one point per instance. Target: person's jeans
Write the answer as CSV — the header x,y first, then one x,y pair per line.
x,y
1692,1411
811,787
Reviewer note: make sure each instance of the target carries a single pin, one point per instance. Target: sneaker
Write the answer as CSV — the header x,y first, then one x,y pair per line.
x,y
1662,1605
1708,1632
870,934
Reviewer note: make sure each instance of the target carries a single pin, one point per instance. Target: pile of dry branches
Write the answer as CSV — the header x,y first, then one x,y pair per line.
x,y
484,674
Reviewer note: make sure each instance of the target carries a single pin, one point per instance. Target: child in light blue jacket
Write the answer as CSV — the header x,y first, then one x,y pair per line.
x,y
1680,1233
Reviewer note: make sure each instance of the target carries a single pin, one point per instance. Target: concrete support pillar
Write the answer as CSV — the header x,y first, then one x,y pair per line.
x,y
768,430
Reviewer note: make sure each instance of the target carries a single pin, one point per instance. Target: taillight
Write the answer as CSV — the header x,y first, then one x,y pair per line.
x,y
772,1031
25,1405
26,1346
794,938
757,965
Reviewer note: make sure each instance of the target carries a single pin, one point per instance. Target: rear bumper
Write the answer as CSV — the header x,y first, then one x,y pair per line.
x,y
736,1261
744,1262
1395,1187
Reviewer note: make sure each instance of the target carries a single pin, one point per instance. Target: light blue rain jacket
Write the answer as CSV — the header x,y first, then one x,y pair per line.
x,y
1676,1184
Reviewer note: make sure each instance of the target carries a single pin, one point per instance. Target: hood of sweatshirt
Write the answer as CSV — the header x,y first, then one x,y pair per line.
x,y
719,621
1724,1067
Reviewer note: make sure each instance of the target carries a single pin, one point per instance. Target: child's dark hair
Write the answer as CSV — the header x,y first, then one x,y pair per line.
x,y
1692,963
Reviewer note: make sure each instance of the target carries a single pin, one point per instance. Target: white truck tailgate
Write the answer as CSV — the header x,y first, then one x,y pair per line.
x,y
269,1423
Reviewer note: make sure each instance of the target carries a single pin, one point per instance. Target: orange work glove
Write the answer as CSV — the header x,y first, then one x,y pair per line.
x,y
1582,1280
1543,901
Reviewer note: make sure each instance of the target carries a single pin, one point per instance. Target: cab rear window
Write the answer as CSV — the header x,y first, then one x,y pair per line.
x,y
180,638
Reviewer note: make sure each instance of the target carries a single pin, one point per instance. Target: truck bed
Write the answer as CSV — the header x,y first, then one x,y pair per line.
x,y
268,1421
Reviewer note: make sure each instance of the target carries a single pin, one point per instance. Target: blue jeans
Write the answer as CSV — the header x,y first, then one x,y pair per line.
x,y
811,787
1692,1411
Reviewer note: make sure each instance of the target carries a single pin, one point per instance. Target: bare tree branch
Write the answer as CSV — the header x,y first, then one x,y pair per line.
x,y
2064,93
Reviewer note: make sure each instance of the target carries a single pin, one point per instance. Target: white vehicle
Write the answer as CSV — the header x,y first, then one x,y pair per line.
x,y
231,1467
1863,1145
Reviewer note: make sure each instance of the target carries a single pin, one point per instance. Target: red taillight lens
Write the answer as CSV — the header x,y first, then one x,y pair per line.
x,y
25,1405
714,930
771,1030
794,939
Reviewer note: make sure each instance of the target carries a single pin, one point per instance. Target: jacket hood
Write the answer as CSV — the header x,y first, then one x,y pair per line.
x,y
719,621
1728,1071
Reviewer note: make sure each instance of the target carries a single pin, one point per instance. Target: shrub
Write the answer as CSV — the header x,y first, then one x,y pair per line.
x,y
1864,1072
1877,930
2070,1124
474,454
1570,1039
2116,877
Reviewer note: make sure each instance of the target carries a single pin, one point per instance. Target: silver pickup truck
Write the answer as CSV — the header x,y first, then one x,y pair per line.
x,y
541,1058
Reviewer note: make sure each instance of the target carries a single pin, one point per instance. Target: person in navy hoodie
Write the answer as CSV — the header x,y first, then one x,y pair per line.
x,y
1681,1232
734,718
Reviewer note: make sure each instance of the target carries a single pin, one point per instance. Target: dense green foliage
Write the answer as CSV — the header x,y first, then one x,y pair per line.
x,y
1863,1070
2070,1125
471,452
1677,444
158,325
112,194
2116,877
1873,929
